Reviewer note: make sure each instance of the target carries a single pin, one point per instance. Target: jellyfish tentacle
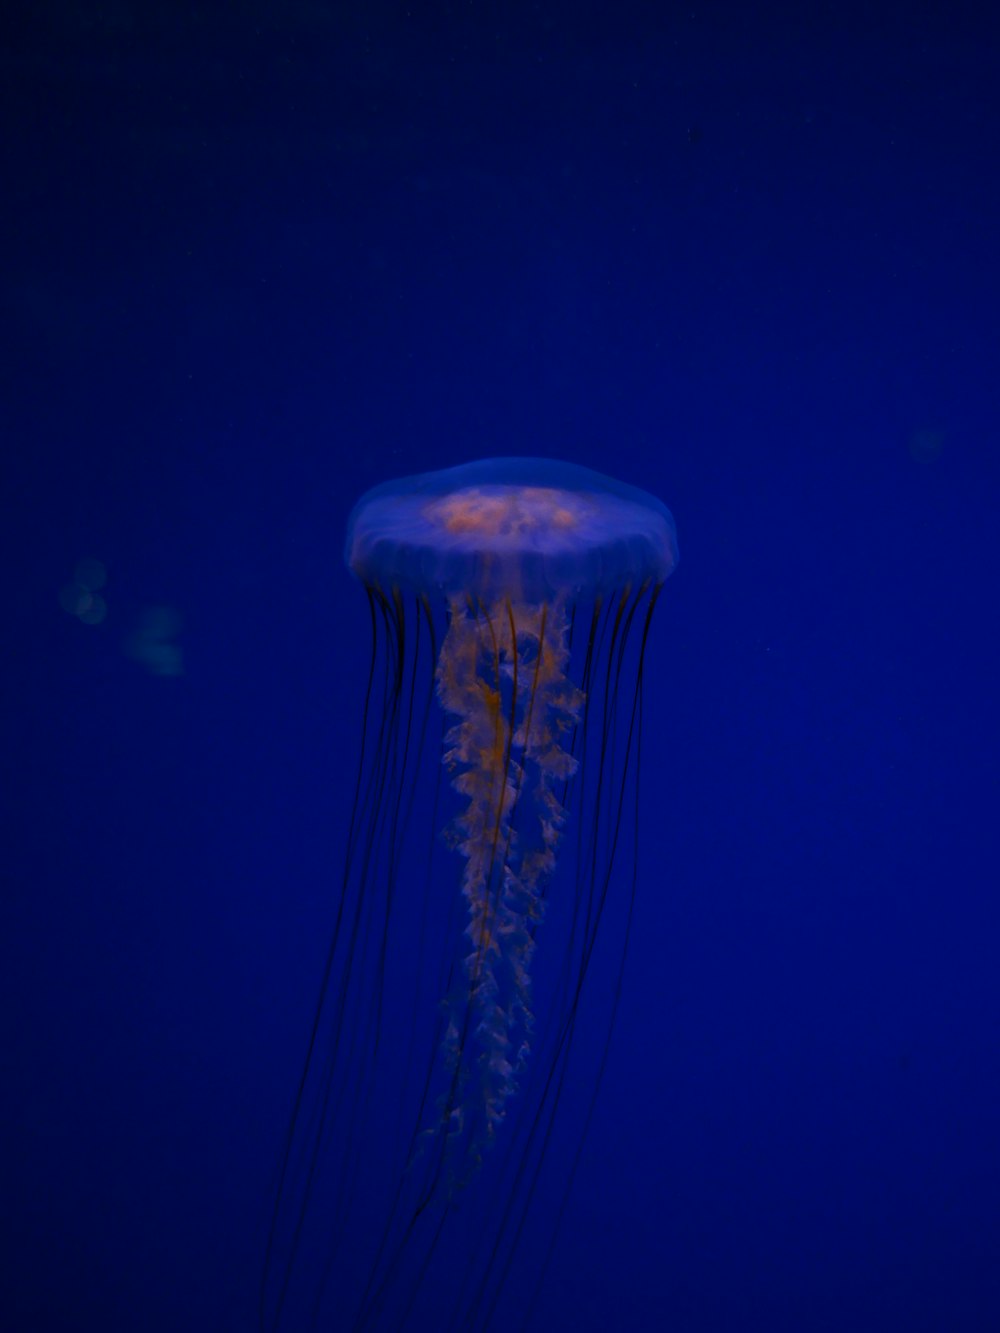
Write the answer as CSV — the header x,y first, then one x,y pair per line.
x,y
502,673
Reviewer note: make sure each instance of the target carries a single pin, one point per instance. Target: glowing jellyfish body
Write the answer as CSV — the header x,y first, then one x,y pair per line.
x,y
538,569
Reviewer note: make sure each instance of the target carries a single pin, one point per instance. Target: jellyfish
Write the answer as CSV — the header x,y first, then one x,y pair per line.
x,y
466,1008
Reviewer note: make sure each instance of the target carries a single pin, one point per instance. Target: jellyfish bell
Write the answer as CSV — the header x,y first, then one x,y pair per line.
x,y
503,526
511,599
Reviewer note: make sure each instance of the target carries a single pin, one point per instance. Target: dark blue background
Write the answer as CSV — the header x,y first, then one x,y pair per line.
x,y
257,260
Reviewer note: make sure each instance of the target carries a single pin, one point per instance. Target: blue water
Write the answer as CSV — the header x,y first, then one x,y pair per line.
x,y
254,265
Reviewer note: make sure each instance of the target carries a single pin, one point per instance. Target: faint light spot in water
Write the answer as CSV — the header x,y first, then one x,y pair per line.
x,y
153,641
80,597
73,598
94,611
926,444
